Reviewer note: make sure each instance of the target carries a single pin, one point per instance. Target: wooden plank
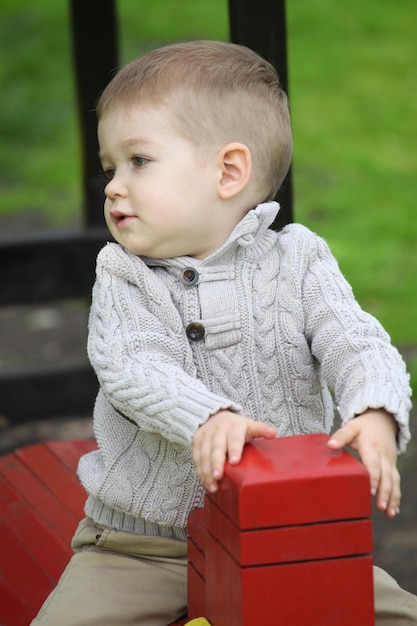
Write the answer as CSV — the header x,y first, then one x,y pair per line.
x,y
32,531
196,592
14,610
50,472
22,573
70,451
60,520
60,391
49,265
41,501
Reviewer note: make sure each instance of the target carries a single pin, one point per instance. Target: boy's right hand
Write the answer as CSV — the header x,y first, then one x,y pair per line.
x,y
224,435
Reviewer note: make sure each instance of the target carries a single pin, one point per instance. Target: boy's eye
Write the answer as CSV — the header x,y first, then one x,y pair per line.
x,y
109,174
139,161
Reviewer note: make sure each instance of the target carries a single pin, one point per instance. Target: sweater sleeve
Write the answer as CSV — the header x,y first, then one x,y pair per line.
x,y
139,351
359,363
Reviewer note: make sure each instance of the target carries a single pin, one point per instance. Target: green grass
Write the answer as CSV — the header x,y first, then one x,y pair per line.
x,y
353,103
354,106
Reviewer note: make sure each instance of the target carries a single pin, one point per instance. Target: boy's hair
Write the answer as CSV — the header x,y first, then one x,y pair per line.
x,y
217,92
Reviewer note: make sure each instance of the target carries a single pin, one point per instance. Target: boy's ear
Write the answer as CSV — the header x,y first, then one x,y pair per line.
x,y
235,163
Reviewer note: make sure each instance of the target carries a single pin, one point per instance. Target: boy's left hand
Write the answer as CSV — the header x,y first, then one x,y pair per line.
x,y
373,435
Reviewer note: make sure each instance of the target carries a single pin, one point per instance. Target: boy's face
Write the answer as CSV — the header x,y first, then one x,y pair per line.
x,y
161,198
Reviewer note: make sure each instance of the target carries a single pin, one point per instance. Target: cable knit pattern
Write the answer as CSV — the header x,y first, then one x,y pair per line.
x,y
282,329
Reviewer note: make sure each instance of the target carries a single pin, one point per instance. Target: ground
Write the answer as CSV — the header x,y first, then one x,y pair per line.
x,y
395,541
57,332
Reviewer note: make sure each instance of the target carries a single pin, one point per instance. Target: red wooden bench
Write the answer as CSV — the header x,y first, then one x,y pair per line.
x,y
41,503
288,535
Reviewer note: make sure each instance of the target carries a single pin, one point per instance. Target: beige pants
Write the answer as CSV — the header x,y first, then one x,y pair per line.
x,y
118,579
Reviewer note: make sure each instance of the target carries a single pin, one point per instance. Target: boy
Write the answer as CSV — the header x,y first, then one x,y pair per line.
x,y
208,329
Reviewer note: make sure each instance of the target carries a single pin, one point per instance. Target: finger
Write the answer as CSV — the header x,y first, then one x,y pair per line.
x,y
238,438
259,429
389,490
218,455
371,460
201,450
343,437
394,502
383,492
235,444
385,482
213,454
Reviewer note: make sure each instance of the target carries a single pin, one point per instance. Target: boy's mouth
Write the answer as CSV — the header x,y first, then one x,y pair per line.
x,y
120,218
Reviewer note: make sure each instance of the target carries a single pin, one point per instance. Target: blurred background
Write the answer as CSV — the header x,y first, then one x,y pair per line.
x,y
354,109
353,98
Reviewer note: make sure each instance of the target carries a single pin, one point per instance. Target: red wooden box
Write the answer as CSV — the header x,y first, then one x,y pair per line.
x,y
288,537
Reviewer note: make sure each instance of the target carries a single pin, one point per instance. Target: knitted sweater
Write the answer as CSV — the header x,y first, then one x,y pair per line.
x,y
265,326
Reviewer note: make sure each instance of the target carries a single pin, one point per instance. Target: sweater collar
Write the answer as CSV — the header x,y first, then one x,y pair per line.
x,y
248,232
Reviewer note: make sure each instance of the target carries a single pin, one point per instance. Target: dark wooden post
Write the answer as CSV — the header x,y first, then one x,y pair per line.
x,y
261,25
95,43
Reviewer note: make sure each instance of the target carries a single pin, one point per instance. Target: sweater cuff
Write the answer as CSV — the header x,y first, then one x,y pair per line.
x,y
387,399
194,410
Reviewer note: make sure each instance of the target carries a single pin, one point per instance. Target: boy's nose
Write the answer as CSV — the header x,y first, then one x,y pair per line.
x,y
115,187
